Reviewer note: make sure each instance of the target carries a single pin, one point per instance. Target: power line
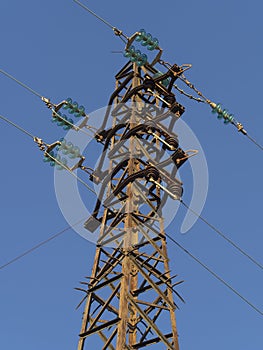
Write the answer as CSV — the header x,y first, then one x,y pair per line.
x,y
18,257
94,14
255,142
17,126
117,31
223,236
215,275
20,83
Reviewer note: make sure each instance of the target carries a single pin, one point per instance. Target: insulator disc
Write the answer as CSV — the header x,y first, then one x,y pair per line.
x,y
150,123
152,172
149,84
170,99
172,141
176,190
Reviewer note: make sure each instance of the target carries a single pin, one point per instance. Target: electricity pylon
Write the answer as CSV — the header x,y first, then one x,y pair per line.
x,y
130,295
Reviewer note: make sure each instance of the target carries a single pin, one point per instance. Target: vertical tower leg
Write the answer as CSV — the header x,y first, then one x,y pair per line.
x,y
130,296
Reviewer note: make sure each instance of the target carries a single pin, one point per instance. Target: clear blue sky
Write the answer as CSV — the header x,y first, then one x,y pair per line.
x,y
60,50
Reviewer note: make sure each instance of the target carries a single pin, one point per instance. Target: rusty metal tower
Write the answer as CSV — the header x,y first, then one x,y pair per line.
x,y
130,297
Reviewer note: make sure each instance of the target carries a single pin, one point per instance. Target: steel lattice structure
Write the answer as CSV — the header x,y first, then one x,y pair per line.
x,y
131,296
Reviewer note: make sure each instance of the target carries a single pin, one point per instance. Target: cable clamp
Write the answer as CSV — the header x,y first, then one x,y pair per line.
x,y
40,143
240,128
117,31
47,102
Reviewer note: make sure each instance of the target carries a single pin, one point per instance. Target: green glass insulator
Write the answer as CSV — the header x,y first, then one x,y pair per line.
x,y
63,143
164,82
135,56
219,108
231,118
153,45
139,61
66,148
133,59
61,122
71,110
70,122
58,163
62,165
130,52
219,116
147,40
157,75
82,111
58,158
64,162
76,151
214,111
67,127
72,155
144,59
70,147
226,121
225,114
141,35
75,105
68,103
46,159
59,167
50,156
54,119
58,117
